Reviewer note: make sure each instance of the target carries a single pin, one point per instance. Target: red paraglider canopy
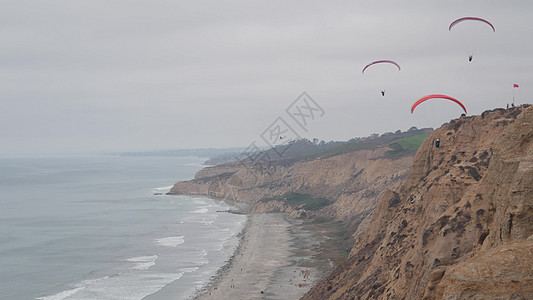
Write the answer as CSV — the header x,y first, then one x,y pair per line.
x,y
381,61
472,19
436,96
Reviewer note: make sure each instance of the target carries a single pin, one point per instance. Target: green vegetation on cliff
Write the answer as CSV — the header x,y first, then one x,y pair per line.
x,y
298,200
405,145
412,143
306,201
401,142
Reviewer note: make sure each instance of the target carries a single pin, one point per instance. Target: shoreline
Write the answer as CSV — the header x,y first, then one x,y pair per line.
x,y
271,261
220,273
188,286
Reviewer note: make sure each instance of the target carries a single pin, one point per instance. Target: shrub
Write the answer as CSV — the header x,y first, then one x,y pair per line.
x,y
306,201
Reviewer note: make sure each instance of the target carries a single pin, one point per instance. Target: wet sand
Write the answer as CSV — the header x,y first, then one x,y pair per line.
x,y
271,262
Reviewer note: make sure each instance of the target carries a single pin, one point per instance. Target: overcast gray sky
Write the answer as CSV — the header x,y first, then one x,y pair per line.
x,y
142,75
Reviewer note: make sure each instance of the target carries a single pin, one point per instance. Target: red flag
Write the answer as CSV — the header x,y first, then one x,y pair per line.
x,y
515,85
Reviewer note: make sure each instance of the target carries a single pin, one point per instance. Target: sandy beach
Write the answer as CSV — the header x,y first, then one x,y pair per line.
x,y
270,263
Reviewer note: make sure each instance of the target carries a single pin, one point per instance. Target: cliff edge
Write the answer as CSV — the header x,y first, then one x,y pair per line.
x,y
461,224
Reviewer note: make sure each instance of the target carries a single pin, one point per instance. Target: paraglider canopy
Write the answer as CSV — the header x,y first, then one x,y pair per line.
x,y
379,62
436,96
470,19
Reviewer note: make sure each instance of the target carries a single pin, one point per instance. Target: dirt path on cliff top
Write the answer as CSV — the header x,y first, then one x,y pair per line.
x,y
267,265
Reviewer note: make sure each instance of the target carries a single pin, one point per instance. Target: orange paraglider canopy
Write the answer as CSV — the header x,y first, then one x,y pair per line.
x,y
436,96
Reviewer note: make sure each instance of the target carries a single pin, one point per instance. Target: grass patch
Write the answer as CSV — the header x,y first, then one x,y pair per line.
x,y
412,143
371,143
405,145
305,201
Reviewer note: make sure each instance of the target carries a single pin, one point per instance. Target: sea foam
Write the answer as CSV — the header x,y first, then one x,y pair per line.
x,y
172,241
121,286
143,262
62,295
163,189
202,210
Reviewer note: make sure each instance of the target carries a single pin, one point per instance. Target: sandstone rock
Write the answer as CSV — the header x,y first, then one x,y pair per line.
x,y
353,181
503,272
461,206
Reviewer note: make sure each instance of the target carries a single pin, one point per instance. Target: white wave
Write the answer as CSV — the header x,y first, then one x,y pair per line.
x,y
188,270
143,258
143,262
202,210
163,189
207,222
128,286
202,258
172,241
62,295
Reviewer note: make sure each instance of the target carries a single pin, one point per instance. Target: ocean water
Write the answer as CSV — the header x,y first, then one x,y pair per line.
x,y
90,227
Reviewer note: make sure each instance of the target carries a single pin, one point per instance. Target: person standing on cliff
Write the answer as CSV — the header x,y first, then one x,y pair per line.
x,y
437,143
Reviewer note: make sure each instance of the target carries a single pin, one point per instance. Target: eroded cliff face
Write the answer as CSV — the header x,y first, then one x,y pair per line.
x,y
458,227
353,182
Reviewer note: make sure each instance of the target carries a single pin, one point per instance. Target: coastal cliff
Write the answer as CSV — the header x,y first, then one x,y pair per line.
x,y
344,183
459,226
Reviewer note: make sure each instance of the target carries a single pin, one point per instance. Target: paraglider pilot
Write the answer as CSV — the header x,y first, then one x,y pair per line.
x,y
437,143
470,57
383,93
